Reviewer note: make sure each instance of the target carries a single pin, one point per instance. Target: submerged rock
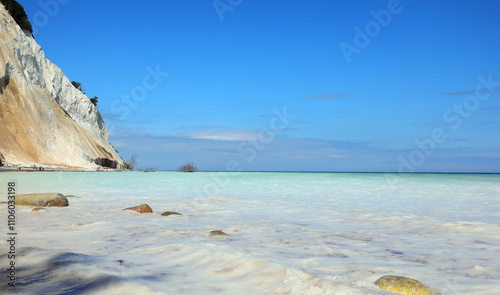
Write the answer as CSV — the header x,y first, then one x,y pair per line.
x,y
167,213
143,208
403,285
217,233
42,200
37,209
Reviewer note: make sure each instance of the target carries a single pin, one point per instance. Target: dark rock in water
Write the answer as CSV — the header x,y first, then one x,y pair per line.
x,y
37,209
144,208
42,200
403,285
217,233
167,213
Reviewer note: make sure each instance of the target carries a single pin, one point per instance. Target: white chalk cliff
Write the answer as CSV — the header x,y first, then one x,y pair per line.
x,y
44,119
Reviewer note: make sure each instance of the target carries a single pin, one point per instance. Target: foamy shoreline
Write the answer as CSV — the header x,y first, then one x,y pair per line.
x,y
288,233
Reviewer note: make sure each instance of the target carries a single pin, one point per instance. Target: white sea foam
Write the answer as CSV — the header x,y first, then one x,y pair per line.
x,y
289,233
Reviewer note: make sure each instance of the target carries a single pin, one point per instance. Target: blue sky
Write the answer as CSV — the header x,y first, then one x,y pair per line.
x,y
287,85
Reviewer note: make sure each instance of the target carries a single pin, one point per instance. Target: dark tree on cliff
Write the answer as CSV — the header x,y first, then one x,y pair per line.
x,y
78,86
17,12
94,100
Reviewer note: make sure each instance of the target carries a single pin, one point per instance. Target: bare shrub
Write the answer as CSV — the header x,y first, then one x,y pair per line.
x,y
188,167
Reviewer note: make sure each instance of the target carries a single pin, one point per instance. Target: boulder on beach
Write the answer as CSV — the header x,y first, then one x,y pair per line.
x,y
167,213
42,200
143,208
403,285
217,233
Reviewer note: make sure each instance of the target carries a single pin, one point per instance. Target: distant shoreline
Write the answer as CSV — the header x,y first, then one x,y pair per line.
x,y
51,169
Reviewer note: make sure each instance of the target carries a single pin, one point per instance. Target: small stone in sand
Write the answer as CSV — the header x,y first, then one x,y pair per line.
x,y
144,208
403,285
217,233
167,213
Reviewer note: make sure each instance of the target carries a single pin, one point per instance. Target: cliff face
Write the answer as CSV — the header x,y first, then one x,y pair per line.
x,y
44,120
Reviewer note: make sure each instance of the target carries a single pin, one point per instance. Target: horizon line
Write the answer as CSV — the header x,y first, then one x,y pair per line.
x,y
358,172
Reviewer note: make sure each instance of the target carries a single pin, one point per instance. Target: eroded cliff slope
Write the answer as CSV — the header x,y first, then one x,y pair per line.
x,y
44,120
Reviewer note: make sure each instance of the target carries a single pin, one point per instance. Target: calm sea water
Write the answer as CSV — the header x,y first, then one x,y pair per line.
x,y
289,233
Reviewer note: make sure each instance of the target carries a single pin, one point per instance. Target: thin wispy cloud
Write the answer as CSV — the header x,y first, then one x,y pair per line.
x,y
336,156
469,92
223,134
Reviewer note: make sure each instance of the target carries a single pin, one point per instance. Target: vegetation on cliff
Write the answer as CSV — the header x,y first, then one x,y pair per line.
x,y
78,86
17,12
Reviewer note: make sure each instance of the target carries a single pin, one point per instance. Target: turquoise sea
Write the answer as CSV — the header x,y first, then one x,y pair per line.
x,y
288,233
